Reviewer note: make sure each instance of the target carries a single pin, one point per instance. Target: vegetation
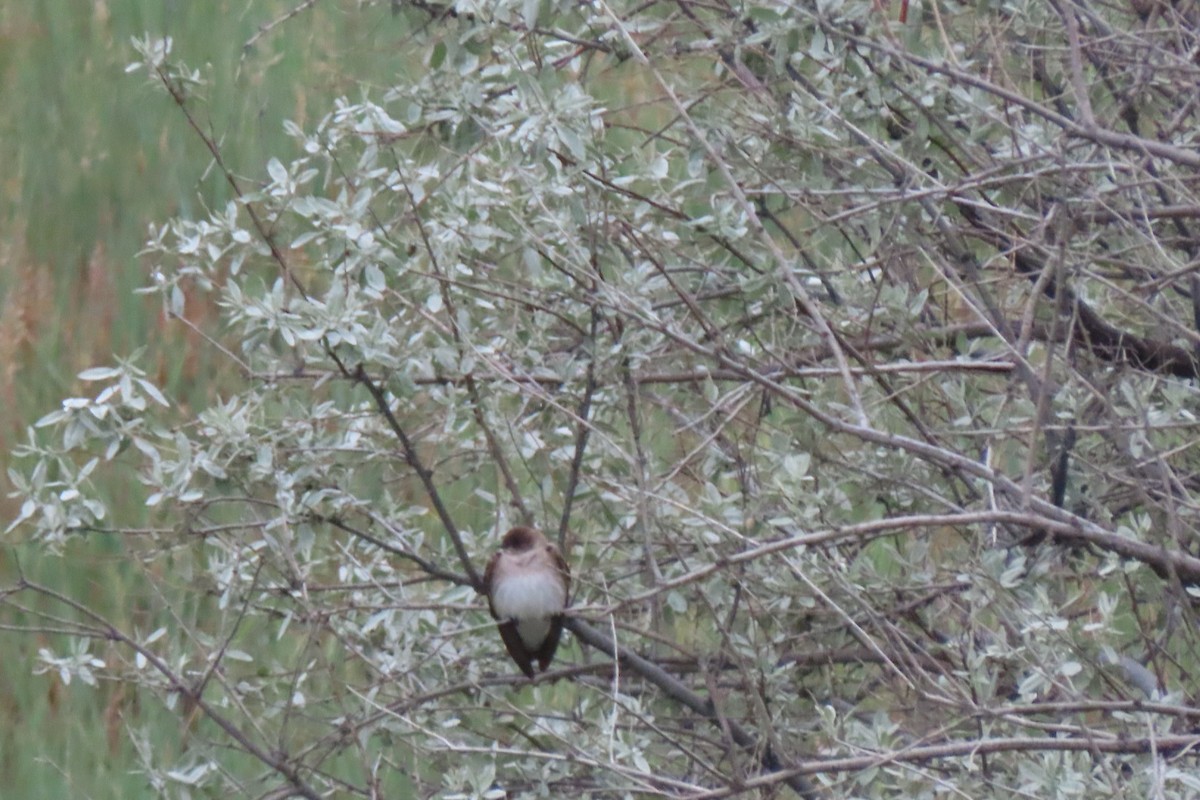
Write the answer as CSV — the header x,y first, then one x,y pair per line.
x,y
847,351
91,157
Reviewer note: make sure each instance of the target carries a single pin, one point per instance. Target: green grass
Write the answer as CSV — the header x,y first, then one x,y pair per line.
x,y
90,157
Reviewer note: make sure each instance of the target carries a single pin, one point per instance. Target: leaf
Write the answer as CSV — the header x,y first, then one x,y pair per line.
x,y
152,390
99,374
437,55
277,171
529,13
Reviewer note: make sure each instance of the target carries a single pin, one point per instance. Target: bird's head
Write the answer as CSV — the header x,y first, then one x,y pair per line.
x,y
520,539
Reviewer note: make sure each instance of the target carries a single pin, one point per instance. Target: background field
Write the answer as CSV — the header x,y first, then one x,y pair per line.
x,y
91,156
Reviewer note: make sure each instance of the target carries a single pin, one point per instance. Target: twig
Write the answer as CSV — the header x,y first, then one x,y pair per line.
x,y
267,27
582,431
192,693
681,694
425,475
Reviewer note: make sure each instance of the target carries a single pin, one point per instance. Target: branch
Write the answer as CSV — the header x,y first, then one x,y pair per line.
x,y
276,254
1140,145
1099,336
460,344
1160,745
705,708
582,430
192,693
425,475
1065,525
425,565
782,262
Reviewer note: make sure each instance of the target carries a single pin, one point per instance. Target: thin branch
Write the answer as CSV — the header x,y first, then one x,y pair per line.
x,y
1139,145
670,686
214,150
1160,745
424,474
424,564
267,27
782,263
493,444
583,430
276,762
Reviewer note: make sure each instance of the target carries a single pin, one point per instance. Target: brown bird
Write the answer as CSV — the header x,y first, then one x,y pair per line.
x,y
527,584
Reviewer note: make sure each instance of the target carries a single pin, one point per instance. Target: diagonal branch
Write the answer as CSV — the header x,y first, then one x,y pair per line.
x,y
424,474
193,693
656,675
1099,335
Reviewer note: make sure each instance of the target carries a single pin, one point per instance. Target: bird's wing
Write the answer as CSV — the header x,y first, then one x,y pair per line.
x,y
516,648
545,653
489,576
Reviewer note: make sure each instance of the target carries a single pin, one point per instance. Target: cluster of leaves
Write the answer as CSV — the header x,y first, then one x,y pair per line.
x,y
850,362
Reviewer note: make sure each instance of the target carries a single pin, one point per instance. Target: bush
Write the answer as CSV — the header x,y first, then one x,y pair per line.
x,y
850,362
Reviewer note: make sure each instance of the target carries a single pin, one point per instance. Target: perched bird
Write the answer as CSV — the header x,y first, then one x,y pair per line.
x,y
527,584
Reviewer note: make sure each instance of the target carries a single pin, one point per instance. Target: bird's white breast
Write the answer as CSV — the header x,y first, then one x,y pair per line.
x,y
530,598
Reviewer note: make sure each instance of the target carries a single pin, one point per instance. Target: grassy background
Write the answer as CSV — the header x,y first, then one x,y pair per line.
x,y
90,156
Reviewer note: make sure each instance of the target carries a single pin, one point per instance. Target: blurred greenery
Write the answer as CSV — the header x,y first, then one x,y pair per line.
x,y
91,157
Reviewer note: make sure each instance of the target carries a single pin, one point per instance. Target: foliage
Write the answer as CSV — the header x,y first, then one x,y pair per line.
x,y
850,361
90,158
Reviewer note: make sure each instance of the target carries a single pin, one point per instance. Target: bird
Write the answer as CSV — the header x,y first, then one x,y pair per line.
x,y
528,584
